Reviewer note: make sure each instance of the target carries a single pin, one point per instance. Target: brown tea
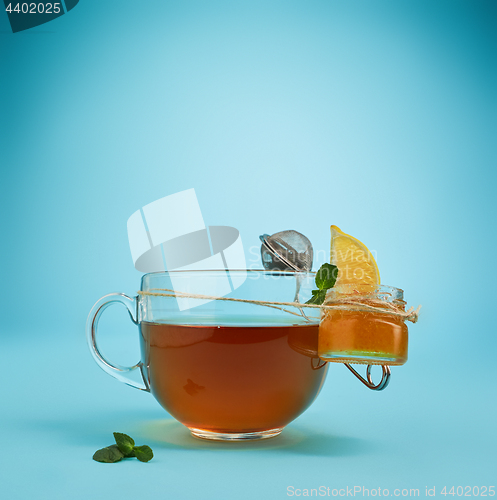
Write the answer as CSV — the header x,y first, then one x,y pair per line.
x,y
233,379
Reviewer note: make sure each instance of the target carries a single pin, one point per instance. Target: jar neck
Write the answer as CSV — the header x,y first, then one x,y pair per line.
x,y
364,293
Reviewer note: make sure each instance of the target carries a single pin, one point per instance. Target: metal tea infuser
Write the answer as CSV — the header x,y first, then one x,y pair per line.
x,y
292,251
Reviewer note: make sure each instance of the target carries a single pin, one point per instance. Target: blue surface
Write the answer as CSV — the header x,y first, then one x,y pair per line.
x,y
376,116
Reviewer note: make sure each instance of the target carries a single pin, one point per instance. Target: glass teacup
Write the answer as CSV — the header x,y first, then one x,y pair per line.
x,y
226,369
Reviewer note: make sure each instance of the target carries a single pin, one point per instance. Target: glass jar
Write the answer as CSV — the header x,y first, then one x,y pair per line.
x,y
364,325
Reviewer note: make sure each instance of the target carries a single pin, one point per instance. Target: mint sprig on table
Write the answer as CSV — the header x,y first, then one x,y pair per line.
x,y
124,448
326,278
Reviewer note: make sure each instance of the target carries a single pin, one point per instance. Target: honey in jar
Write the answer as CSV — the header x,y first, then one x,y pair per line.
x,y
357,331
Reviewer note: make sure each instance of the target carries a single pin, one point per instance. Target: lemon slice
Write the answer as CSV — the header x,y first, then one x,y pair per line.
x,y
355,262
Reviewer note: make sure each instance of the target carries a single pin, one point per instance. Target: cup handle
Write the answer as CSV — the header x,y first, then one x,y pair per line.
x,y
117,371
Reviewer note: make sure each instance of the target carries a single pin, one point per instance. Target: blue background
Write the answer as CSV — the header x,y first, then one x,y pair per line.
x,y
376,116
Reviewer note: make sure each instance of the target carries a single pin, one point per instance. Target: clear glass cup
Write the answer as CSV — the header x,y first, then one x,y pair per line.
x,y
226,370
355,334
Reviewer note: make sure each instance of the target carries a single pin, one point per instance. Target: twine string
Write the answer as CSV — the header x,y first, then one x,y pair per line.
x,y
349,303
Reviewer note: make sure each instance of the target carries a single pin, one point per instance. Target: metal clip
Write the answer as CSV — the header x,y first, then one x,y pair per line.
x,y
320,363
369,382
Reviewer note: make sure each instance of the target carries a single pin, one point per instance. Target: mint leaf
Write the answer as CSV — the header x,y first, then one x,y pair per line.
x,y
124,443
143,453
317,298
124,448
108,455
326,276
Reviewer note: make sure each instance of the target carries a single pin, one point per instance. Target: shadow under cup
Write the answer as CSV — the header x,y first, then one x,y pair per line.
x,y
228,370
